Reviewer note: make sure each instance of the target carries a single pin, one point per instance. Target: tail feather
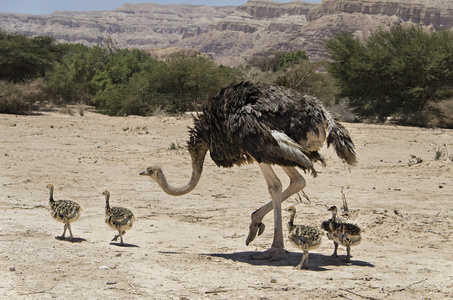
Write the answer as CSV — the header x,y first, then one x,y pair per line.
x,y
342,143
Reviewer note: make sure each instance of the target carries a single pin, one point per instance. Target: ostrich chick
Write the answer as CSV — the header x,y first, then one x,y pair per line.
x,y
303,237
64,211
118,218
345,234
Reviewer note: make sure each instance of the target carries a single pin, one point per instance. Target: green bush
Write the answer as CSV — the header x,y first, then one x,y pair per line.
x,y
393,73
23,58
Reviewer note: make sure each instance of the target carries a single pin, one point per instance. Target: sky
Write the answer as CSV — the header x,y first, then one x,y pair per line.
x,y
37,7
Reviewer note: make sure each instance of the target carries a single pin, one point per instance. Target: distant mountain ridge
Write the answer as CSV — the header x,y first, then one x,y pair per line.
x,y
233,34
132,25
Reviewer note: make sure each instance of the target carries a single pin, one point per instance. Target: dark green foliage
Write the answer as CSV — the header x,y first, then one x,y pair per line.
x,y
23,58
90,75
393,73
290,59
278,61
121,81
306,78
181,83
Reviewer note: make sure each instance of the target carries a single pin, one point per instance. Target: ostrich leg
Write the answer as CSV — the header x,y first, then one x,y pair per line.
x,y
275,190
64,231
71,237
297,183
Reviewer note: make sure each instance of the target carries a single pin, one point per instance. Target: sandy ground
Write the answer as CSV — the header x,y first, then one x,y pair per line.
x,y
193,246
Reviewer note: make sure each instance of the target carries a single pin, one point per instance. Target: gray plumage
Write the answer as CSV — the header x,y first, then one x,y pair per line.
x,y
64,211
345,234
239,126
304,237
118,218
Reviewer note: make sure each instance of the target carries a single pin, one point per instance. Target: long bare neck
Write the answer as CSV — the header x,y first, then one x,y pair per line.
x,y
180,190
197,168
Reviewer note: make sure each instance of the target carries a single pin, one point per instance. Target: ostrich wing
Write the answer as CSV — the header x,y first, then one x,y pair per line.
x,y
259,122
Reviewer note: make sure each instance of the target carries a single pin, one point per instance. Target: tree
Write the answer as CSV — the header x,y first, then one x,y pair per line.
x,y
23,58
185,79
278,61
392,73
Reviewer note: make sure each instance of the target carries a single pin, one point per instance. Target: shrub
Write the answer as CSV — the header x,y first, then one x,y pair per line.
x,y
393,73
19,98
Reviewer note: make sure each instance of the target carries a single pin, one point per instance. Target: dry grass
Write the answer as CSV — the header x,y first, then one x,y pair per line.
x,y
19,98
441,114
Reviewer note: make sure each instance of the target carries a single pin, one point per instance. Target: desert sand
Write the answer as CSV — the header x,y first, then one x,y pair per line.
x,y
193,246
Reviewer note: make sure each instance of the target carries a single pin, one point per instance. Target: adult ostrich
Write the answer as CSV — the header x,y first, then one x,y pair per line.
x,y
271,125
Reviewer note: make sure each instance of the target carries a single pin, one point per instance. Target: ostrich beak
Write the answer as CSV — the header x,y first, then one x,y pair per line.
x,y
144,173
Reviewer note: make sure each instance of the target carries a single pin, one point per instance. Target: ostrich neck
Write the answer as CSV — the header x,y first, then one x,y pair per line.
x,y
334,215
332,224
291,221
51,196
197,168
107,204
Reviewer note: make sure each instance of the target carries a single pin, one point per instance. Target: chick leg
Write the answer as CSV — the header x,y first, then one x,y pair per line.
x,y
304,262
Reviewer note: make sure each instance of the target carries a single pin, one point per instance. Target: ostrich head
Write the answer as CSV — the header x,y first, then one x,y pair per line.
x,y
50,187
333,209
291,209
106,193
155,173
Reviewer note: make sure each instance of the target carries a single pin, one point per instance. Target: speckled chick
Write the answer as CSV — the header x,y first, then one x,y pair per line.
x,y
345,234
64,211
118,218
304,237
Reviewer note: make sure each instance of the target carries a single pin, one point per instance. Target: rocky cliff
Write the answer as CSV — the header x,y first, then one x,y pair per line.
x,y
265,26
436,13
132,25
233,34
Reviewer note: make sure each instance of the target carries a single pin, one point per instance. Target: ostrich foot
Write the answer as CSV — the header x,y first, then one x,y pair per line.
x,y
301,267
254,229
115,238
272,254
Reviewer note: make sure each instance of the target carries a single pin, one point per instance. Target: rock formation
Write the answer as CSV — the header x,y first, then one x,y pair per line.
x,y
233,34
132,25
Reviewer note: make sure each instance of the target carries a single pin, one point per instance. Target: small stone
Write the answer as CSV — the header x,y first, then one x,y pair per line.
x,y
273,280
12,269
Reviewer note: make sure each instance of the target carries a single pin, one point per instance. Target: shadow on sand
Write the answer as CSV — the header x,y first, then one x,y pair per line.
x,y
125,245
74,240
316,261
